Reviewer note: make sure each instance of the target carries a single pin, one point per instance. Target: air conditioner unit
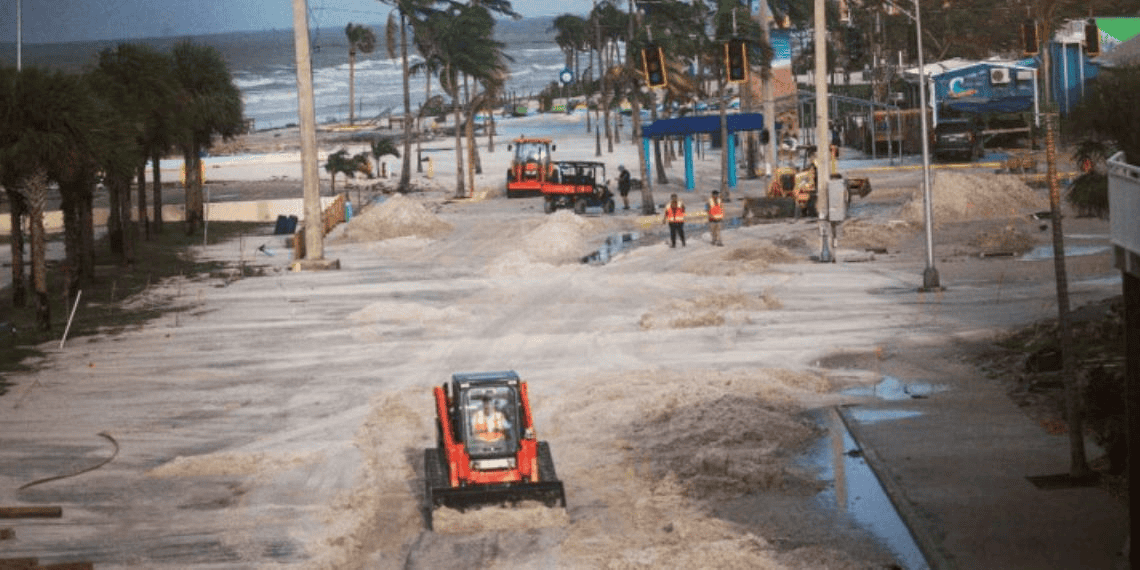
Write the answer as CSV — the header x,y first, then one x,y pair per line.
x,y
999,75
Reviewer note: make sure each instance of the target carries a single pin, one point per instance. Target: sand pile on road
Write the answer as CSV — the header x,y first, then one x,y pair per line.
x,y
727,446
396,217
751,256
560,239
369,525
960,196
233,463
710,310
861,234
515,263
1008,239
528,514
645,454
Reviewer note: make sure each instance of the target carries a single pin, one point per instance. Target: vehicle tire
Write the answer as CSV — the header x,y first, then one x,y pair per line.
x,y
580,206
609,207
548,205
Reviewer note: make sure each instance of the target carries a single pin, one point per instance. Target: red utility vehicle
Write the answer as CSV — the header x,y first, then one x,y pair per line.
x,y
488,452
577,184
530,166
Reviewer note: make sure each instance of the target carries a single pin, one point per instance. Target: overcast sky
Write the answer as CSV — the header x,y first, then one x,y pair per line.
x,y
47,21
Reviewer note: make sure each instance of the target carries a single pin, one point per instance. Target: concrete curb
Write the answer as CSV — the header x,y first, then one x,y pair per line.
x,y
929,546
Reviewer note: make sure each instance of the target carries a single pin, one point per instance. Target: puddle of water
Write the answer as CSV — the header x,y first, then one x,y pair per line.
x,y
893,389
612,246
869,416
856,491
1045,252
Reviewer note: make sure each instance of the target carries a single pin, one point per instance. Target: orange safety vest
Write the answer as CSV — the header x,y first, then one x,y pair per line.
x,y
716,210
675,214
488,428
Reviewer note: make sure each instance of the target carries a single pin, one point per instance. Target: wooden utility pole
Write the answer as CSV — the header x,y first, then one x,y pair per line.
x,y
310,183
822,138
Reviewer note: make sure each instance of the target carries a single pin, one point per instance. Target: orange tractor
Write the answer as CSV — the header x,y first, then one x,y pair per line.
x,y
530,166
487,452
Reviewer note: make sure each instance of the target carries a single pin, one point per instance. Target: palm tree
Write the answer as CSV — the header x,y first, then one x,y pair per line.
x,y
468,49
408,10
45,123
211,105
340,163
362,39
136,82
573,36
425,31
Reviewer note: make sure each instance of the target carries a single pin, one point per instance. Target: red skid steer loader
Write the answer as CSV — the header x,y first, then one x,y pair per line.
x,y
488,452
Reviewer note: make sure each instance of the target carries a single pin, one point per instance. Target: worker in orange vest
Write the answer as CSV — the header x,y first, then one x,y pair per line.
x,y
715,209
675,217
489,424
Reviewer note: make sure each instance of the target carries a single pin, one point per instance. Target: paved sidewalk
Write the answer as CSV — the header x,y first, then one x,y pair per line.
x,y
957,465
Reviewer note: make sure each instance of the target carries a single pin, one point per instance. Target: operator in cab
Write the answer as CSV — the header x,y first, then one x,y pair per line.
x,y
488,423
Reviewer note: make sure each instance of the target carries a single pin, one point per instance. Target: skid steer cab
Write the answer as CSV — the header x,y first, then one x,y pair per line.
x,y
487,449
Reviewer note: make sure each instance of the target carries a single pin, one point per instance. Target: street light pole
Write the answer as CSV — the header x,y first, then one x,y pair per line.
x,y
930,274
19,36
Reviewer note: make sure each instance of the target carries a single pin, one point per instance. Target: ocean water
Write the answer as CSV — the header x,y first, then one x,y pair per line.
x,y
263,68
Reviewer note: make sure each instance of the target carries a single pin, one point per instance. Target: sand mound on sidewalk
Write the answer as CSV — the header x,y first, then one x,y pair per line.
x,y
397,216
960,196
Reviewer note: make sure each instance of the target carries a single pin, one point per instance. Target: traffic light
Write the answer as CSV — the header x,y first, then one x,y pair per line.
x,y
1029,37
736,60
653,63
1092,38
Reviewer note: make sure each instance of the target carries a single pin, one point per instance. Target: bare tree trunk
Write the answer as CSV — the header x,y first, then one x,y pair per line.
x,y
351,87
460,188
195,207
35,192
156,181
86,204
406,171
143,222
114,223
16,214
72,235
